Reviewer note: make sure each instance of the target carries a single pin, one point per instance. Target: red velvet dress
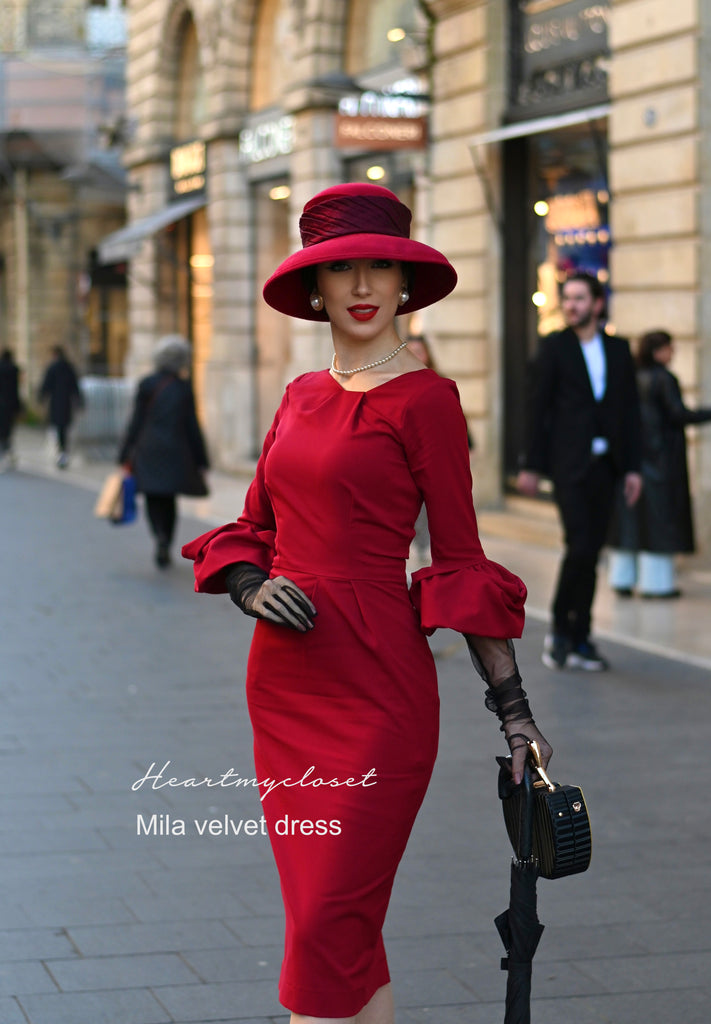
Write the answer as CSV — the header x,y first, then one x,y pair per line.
x,y
333,505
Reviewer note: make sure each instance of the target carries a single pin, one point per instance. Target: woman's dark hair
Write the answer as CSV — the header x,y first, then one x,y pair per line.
x,y
308,276
650,343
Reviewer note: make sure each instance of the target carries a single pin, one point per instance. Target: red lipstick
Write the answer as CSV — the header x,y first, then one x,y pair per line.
x,y
363,313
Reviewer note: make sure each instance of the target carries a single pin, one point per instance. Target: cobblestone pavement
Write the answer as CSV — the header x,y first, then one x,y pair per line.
x,y
109,667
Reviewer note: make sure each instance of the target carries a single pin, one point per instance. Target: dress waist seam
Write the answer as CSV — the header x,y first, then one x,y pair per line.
x,y
350,578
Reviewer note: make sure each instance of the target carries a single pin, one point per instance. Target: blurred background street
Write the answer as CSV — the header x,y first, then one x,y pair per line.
x,y
109,666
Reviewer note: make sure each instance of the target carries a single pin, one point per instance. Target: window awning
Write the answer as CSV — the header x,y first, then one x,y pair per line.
x,y
122,245
540,124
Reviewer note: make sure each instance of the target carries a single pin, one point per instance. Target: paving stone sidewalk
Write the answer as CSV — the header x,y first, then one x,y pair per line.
x,y
109,667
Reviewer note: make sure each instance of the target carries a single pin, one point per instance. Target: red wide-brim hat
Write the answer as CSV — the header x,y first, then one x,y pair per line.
x,y
357,221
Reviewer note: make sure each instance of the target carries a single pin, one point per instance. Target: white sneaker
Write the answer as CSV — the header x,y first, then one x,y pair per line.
x,y
587,657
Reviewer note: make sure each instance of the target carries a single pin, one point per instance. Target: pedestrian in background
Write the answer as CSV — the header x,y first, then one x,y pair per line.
x,y
647,536
419,346
10,404
585,435
164,447
60,388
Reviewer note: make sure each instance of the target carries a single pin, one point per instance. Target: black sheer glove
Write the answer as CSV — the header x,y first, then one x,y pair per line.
x,y
278,600
495,661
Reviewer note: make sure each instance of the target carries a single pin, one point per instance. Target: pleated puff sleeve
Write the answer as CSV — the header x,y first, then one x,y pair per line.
x,y
250,539
462,589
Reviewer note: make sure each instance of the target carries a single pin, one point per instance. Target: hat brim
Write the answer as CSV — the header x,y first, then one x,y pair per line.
x,y
432,276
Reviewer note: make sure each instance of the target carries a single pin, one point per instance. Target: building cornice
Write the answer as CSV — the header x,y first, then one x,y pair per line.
x,y
153,151
445,8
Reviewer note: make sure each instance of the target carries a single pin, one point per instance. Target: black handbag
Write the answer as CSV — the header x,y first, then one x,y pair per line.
x,y
555,818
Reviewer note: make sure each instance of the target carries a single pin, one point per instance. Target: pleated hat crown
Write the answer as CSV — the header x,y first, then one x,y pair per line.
x,y
357,221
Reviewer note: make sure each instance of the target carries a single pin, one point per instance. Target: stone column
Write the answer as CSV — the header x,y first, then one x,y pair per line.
x,y
464,328
314,163
229,381
148,179
314,166
658,169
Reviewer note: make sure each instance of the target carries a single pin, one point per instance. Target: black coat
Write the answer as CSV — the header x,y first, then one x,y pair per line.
x,y
565,417
10,404
661,521
164,443
61,387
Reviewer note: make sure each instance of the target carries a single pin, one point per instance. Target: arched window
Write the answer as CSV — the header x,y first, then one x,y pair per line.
x,y
190,95
272,54
369,23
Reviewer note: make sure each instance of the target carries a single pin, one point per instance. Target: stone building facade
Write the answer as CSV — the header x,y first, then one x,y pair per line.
x,y
660,143
560,133
62,185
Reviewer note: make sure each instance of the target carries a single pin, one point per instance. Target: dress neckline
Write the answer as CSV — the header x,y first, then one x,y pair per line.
x,y
376,387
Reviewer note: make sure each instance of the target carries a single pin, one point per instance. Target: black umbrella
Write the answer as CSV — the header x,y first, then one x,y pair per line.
x,y
519,926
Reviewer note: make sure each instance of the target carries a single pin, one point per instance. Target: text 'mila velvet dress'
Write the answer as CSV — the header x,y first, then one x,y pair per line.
x,y
338,487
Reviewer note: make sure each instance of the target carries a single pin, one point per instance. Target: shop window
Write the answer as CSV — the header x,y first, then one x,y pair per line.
x,y
200,277
375,30
273,56
190,99
556,203
106,318
569,204
106,25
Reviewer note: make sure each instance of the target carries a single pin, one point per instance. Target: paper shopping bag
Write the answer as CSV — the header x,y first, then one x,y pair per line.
x,y
109,504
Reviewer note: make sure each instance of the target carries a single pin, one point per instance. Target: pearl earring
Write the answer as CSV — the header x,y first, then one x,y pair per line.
x,y
316,302
404,296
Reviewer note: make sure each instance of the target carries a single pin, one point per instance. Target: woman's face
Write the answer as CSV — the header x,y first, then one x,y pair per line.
x,y
360,295
664,354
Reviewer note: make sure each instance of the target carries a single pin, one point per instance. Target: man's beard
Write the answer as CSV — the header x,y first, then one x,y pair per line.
x,y
584,321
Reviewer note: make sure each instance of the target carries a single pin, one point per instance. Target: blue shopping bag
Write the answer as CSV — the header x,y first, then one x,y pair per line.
x,y
127,510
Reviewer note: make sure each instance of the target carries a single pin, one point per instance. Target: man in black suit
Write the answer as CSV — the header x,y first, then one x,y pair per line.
x,y
585,435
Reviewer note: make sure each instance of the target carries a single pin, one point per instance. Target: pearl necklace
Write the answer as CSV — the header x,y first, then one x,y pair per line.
x,y
368,366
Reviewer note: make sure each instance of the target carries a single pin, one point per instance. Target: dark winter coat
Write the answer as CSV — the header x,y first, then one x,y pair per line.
x,y
61,387
164,443
661,521
10,404
564,416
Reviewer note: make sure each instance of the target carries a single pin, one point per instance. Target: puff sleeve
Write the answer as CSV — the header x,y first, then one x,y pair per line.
x,y
250,539
462,589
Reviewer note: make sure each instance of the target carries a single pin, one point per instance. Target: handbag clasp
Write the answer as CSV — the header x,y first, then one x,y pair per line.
x,y
536,751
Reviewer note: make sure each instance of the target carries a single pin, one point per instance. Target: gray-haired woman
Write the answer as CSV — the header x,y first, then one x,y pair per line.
x,y
164,446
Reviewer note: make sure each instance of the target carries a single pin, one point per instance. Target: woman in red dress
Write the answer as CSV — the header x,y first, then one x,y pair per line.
x,y
341,683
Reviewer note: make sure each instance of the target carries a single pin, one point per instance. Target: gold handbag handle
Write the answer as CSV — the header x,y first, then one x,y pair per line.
x,y
536,751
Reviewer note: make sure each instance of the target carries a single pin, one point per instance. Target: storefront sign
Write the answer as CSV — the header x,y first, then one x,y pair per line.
x,y
381,132
558,55
384,104
188,168
266,140
573,211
